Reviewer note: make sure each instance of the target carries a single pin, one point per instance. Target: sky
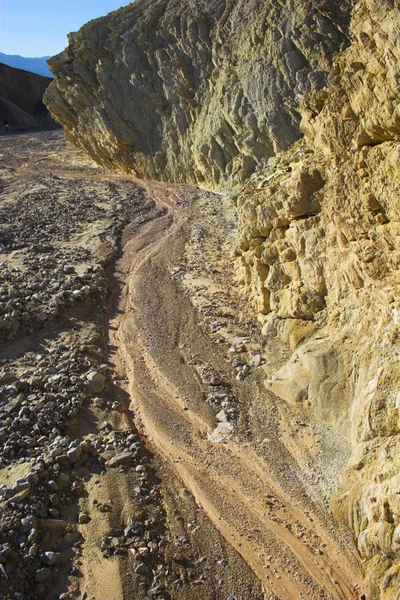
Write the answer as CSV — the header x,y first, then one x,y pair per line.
x,y
35,28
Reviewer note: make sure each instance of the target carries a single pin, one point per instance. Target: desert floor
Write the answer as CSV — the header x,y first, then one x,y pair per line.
x,y
140,453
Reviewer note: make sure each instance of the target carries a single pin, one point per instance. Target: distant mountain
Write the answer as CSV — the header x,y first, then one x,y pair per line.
x,y
34,65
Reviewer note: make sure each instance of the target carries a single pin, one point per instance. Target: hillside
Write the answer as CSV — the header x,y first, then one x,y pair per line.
x,y
21,97
33,65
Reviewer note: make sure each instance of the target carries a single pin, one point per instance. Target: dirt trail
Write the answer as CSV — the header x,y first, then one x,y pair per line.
x,y
226,491
256,495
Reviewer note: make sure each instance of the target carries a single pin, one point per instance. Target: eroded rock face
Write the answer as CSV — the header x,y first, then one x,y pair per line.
x,y
296,106
319,257
194,91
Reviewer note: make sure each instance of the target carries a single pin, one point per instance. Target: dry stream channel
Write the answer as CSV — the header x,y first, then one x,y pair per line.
x,y
140,453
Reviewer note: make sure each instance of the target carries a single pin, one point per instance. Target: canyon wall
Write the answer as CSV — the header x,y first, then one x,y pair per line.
x,y
21,94
294,108
195,91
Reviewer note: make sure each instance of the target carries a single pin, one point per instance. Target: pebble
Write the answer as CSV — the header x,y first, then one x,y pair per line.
x,y
222,563
27,524
96,382
74,454
53,524
83,518
256,360
120,459
42,575
142,569
157,591
221,416
50,558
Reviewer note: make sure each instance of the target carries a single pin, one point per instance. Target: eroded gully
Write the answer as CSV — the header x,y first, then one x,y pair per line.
x,y
255,494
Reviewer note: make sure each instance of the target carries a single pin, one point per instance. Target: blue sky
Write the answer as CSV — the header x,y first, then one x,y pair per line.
x,y
39,27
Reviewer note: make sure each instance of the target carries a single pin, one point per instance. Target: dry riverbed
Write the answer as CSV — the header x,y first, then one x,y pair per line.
x,y
140,454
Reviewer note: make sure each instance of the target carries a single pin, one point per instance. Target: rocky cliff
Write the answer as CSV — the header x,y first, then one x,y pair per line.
x,y
293,106
21,95
197,91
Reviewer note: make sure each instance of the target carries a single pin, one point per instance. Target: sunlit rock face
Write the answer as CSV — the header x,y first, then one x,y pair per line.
x,y
295,107
195,91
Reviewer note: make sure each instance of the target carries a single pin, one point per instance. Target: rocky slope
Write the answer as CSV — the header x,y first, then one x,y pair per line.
x,y
21,97
293,106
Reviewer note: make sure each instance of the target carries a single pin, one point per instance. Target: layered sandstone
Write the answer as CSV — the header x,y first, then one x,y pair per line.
x,y
294,105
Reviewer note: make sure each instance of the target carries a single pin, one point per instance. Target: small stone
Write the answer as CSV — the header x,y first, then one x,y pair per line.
x,y
74,454
83,518
142,569
52,524
156,592
63,480
105,425
222,563
68,269
216,381
96,382
127,531
120,459
42,575
221,416
72,537
77,489
33,550
55,500
27,524
49,558
256,360
21,496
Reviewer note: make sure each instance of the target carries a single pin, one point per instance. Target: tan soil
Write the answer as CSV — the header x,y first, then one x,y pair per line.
x,y
259,500
252,487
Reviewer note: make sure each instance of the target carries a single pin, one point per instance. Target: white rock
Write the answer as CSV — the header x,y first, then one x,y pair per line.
x,y
221,433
